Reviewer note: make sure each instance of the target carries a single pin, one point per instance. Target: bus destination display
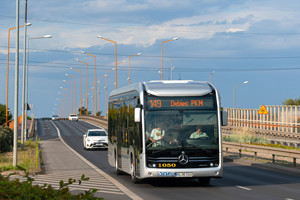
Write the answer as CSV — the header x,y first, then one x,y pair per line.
x,y
180,103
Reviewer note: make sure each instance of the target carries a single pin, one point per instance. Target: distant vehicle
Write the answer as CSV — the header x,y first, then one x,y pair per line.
x,y
54,117
154,130
73,117
95,138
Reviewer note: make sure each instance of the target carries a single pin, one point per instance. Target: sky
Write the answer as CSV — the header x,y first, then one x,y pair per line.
x,y
251,40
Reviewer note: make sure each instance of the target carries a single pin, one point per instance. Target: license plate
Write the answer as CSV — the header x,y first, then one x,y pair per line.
x,y
183,174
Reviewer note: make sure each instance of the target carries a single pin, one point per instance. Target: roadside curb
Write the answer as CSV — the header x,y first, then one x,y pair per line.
x,y
126,191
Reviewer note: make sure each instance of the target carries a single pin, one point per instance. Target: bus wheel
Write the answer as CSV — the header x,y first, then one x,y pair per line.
x,y
204,181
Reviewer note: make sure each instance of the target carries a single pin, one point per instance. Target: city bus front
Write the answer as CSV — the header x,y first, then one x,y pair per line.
x,y
182,136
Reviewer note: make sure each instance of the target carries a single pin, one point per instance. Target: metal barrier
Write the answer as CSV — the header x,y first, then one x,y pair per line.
x,y
99,121
271,151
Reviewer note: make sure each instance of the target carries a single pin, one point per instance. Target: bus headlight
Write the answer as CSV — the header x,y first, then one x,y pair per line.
x,y
152,165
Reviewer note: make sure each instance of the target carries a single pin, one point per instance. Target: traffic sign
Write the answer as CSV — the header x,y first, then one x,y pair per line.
x,y
263,110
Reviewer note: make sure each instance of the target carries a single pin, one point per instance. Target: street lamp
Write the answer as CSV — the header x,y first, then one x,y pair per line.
x,y
75,91
162,54
211,75
66,98
129,64
25,87
65,108
7,73
72,110
64,103
245,82
80,89
87,85
95,78
99,36
99,77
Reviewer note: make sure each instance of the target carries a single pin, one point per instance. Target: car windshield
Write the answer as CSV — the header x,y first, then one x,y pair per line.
x,y
181,129
55,116
97,133
73,115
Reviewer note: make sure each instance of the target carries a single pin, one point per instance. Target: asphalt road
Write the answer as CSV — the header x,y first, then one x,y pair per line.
x,y
238,182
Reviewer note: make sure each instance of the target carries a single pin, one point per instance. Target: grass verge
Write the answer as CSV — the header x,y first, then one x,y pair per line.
x,y
27,159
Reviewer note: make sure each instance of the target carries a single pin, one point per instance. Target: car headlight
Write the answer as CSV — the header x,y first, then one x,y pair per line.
x,y
88,140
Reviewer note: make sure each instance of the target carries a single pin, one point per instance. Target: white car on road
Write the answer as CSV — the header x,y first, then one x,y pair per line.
x,y
73,117
95,138
55,117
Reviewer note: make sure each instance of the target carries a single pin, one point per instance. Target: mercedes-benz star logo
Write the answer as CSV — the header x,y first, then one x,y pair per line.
x,y
183,159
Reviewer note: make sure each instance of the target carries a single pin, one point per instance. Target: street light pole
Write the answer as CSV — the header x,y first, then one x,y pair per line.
x,y
15,148
162,45
23,88
65,107
25,102
7,73
245,82
87,85
129,64
80,90
99,92
99,36
75,91
68,98
95,79
72,108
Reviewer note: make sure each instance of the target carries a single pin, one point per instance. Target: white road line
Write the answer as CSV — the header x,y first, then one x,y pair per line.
x,y
244,188
288,199
124,189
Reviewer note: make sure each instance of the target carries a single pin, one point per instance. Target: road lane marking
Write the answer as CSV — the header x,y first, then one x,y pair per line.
x,y
124,189
244,188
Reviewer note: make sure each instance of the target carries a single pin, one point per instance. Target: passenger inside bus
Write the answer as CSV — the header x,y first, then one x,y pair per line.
x,y
198,133
157,135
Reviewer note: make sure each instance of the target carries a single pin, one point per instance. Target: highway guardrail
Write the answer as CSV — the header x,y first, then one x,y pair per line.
x,y
256,149
99,121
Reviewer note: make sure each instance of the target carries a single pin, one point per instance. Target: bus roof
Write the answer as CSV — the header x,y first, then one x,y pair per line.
x,y
178,88
169,88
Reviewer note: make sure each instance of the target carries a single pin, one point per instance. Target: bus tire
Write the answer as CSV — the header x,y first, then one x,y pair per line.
x,y
204,180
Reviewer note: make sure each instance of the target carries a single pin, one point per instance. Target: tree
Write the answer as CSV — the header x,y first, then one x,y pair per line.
x,y
3,114
290,101
99,113
83,110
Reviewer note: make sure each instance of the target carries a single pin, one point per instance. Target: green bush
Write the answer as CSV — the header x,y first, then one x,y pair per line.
x,y
6,139
14,189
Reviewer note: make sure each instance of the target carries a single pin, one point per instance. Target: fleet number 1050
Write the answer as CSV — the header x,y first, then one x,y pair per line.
x,y
167,165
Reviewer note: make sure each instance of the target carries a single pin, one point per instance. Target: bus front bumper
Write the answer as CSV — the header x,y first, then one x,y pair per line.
x,y
213,172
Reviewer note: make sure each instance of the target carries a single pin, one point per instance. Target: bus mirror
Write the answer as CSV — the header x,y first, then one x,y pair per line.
x,y
137,115
224,116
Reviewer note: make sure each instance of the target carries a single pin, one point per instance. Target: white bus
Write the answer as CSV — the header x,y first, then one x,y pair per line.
x,y
166,129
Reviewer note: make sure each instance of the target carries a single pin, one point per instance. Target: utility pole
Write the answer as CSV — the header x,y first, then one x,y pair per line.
x,y
15,148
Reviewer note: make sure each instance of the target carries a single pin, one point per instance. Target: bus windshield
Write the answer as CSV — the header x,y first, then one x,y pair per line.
x,y
181,129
